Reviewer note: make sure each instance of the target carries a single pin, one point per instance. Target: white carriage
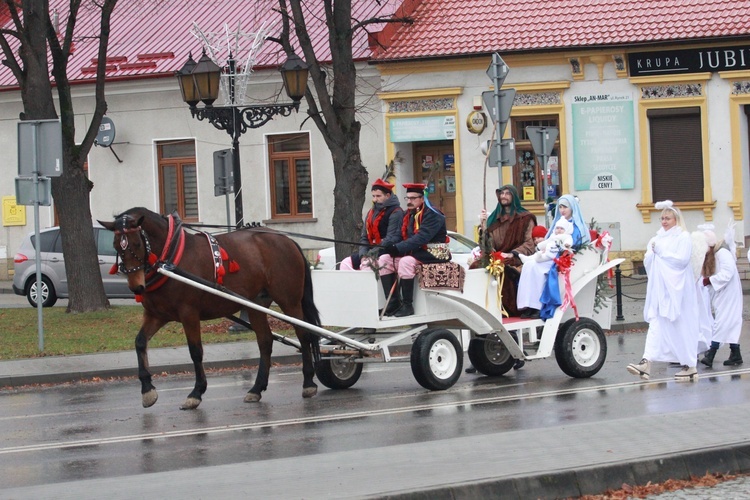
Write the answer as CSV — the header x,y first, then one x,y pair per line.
x,y
355,334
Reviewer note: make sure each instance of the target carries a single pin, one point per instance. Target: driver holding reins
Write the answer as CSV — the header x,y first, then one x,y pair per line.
x,y
425,241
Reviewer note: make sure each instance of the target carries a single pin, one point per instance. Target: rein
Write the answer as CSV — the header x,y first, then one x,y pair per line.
x,y
260,229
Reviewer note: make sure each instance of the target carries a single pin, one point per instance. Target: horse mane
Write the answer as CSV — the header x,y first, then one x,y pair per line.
x,y
136,213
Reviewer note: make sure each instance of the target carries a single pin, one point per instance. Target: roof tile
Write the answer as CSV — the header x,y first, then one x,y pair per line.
x,y
560,24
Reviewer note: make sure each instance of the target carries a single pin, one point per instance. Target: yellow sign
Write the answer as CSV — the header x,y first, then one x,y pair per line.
x,y
528,193
13,215
476,122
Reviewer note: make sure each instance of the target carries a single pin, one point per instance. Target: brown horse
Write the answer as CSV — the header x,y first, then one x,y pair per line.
x,y
259,264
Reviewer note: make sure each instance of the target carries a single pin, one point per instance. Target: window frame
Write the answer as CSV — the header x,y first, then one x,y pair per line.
x,y
646,206
291,157
518,130
537,111
180,162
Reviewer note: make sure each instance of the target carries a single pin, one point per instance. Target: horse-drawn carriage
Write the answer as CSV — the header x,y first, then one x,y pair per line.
x,y
348,303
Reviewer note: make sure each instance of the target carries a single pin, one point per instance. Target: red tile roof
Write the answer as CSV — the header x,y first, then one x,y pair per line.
x,y
447,28
153,38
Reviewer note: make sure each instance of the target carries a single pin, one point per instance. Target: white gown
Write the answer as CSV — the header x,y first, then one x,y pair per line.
x,y
726,299
671,308
531,283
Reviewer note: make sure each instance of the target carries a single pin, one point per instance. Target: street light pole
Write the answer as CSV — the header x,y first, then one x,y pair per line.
x,y
199,82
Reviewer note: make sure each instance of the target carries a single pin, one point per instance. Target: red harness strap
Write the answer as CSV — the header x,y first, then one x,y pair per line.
x,y
171,253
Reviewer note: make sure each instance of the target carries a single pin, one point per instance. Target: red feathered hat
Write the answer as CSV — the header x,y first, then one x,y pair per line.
x,y
415,188
383,186
539,232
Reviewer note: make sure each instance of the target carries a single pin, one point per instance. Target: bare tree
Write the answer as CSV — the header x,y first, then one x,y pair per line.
x,y
35,38
332,107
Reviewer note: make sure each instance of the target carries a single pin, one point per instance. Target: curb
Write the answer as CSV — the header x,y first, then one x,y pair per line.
x,y
171,369
574,483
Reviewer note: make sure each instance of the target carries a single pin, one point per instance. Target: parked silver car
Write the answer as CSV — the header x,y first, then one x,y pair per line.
x,y
54,279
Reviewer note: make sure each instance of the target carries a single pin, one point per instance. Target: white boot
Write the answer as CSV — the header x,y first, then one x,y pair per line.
x,y
643,369
687,374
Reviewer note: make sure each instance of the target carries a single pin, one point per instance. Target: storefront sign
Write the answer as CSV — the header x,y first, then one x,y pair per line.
x,y
689,61
603,142
428,128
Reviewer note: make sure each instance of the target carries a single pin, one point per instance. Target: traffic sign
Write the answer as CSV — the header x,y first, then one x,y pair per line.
x,y
542,139
30,191
40,148
497,70
223,173
506,103
507,152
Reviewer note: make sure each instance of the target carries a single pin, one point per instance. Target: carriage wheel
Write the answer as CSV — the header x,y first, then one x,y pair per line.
x,y
580,348
49,297
436,359
338,373
490,356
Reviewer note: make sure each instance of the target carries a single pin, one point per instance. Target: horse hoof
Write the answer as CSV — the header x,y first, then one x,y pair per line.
x,y
251,397
309,392
190,404
149,398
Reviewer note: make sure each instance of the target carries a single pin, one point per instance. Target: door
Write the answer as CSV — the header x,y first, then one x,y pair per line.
x,y
434,165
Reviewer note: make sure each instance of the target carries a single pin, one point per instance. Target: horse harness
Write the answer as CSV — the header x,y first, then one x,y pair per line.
x,y
170,255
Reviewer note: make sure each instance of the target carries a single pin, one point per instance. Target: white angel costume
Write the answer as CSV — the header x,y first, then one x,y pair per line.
x,y
671,307
725,291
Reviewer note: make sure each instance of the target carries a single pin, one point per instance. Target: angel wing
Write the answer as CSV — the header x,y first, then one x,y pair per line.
x,y
700,247
729,237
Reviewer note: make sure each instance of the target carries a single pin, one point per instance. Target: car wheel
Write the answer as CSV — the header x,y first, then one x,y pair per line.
x,y
49,297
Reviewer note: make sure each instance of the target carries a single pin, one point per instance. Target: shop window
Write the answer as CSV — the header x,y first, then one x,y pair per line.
x,y
290,174
527,173
178,179
676,154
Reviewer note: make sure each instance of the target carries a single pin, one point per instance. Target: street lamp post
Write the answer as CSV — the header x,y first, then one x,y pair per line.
x,y
199,82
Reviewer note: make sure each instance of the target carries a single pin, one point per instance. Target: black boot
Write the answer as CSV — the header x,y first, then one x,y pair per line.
x,y
407,298
395,303
708,357
735,358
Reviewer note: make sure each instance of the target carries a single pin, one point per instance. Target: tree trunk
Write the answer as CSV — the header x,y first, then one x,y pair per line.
x,y
351,185
71,194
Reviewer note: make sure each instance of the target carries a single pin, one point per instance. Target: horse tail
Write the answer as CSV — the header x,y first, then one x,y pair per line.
x,y
309,312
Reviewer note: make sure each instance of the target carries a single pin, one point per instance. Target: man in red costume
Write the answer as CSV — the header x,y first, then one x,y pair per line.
x,y
425,241
382,226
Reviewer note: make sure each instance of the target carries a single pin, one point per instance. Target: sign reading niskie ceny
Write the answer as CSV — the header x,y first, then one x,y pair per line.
x,y
699,60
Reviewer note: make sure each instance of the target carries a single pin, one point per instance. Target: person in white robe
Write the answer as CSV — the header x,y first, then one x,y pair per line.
x,y
671,307
721,279
534,272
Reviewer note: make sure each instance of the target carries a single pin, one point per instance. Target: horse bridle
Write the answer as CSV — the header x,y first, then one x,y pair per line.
x,y
144,263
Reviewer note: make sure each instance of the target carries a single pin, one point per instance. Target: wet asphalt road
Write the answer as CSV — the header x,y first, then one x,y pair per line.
x,y
57,434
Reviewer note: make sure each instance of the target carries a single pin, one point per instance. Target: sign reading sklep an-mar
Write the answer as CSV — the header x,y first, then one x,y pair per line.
x,y
603,142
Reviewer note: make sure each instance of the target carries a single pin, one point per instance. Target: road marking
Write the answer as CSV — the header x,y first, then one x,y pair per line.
x,y
345,416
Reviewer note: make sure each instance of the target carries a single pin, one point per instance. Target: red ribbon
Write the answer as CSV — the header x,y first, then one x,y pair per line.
x,y
564,262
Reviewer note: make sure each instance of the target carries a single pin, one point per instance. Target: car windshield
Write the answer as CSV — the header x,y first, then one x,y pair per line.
x,y
460,243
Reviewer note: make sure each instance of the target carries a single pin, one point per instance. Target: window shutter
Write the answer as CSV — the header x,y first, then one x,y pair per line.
x,y
676,154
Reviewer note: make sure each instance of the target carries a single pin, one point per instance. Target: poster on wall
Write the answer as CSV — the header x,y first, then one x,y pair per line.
x,y
603,142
